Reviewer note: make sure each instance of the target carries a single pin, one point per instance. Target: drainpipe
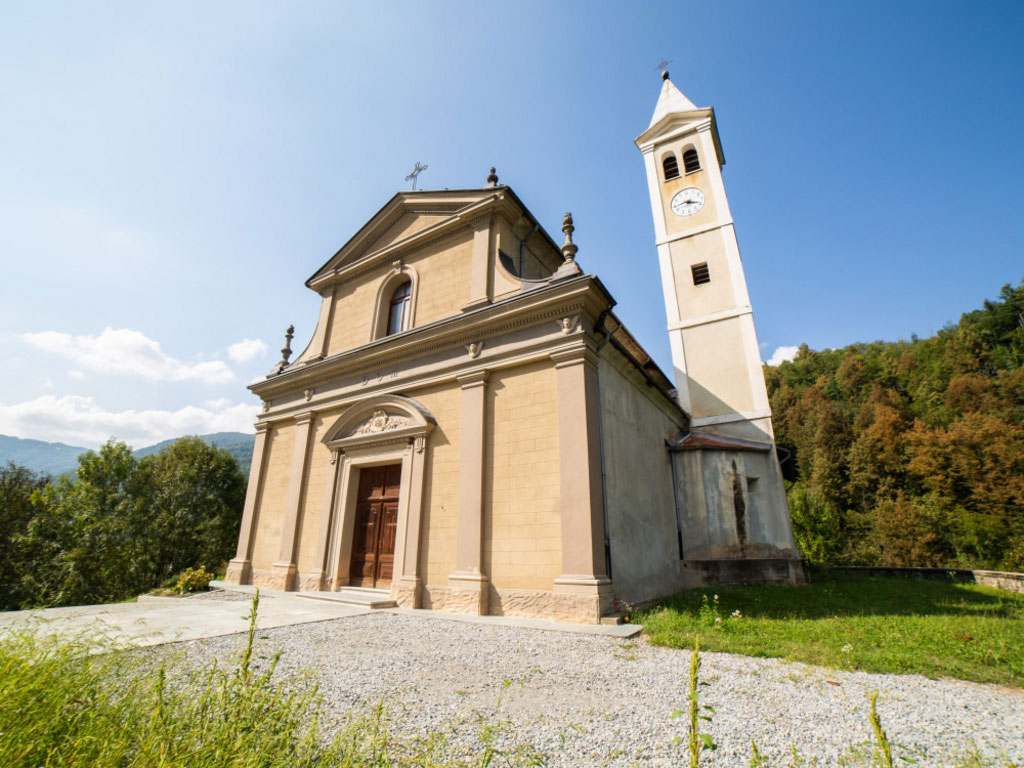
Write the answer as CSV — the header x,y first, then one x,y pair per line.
x,y
599,328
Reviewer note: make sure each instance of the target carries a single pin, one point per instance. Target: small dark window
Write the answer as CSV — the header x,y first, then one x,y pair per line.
x,y
701,274
671,167
398,311
690,160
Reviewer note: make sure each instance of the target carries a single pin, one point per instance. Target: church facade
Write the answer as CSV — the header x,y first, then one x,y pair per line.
x,y
472,428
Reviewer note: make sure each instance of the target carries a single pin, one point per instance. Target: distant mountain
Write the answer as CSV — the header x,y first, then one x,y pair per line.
x,y
59,459
238,444
40,456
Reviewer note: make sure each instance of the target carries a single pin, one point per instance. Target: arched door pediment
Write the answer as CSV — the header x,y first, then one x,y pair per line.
x,y
389,418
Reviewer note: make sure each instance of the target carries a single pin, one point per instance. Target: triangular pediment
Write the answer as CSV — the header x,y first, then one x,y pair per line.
x,y
404,218
408,224
678,123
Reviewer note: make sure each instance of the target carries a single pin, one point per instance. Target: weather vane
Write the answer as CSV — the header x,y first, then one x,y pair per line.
x,y
663,66
416,171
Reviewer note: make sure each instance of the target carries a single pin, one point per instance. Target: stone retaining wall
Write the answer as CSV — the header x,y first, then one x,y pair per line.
x,y
1005,580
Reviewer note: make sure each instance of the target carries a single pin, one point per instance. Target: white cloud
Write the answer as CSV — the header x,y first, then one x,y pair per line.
x,y
46,382
247,349
123,350
782,354
76,374
78,420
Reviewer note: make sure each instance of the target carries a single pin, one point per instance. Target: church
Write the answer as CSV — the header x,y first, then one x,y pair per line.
x,y
473,429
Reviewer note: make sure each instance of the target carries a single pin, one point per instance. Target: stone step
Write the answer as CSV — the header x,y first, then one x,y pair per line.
x,y
356,596
613,619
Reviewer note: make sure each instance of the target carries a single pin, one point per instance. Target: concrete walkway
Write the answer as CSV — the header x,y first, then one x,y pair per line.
x,y
158,620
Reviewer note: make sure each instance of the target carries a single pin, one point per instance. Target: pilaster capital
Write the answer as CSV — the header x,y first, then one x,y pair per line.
x,y
472,379
304,418
581,355
262,427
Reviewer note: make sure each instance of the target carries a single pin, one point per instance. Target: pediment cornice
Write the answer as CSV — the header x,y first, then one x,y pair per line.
x,y
459,209
678,124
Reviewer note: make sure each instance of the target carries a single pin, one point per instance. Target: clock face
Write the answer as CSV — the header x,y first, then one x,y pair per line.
x,y
687,201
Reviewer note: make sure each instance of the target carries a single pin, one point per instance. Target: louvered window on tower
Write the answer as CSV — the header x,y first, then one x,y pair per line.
x,y
671,167
701,274
690,161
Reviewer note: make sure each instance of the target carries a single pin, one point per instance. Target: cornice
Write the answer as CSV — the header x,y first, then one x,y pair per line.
x,y
570,296
689,122
473,378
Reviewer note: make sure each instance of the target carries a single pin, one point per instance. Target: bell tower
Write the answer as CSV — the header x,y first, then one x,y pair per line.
x,y
715,355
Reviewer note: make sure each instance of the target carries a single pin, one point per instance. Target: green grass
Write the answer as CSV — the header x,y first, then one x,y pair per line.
x,y
64,704
855,622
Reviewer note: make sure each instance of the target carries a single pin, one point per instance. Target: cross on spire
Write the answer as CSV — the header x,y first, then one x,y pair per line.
x,y
663,66
418,168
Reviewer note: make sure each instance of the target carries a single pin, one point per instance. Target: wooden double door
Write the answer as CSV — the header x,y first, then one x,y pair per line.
x,y
373,541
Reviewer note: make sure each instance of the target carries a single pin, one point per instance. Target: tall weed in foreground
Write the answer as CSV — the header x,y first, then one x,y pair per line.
x,y
63,704
697,742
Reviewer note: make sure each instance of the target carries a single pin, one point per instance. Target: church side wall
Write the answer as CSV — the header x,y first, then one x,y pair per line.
x,y
272,499
642,524
522,518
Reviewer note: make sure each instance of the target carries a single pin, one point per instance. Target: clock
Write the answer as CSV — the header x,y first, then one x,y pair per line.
x,y
687,201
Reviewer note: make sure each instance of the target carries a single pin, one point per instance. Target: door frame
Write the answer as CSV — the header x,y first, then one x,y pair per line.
x,y
380,430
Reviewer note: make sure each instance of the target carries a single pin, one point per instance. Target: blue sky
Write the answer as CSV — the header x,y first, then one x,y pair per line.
x,y
170,174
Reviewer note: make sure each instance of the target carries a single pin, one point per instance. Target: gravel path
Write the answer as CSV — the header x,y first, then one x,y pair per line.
x,y
595,701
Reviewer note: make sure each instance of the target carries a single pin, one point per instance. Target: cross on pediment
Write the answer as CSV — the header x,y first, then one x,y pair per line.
x,y
418,168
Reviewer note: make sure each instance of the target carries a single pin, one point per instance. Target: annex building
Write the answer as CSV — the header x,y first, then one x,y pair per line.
x,y
472,428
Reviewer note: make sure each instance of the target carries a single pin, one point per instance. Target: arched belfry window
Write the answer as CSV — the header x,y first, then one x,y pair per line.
x,y
398,311
691,162
670,167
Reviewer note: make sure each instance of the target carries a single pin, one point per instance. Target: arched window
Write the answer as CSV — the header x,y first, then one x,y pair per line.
x,y
398,311
691,162
670,167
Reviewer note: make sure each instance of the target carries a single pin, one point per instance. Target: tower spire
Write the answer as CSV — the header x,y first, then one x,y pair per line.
x,y
670,100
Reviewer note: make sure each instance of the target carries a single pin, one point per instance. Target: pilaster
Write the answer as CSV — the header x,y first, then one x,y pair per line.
x,y
319,573
240,567
584,588
282,572
468,583
480,277
409,585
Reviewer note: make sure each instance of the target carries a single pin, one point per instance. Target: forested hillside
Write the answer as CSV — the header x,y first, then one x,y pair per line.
x,y
119,526
910,453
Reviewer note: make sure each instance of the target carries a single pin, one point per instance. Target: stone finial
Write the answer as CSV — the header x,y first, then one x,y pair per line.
x,y
569,267
492,178
286,352
569,249
664,74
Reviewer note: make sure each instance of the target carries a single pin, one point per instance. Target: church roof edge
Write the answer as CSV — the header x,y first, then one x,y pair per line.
x,y
380,219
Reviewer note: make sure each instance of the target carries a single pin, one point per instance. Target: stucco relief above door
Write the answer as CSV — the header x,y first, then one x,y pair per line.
x,y
381,421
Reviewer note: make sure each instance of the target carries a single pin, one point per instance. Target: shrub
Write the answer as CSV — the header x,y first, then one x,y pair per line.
x,y
197,580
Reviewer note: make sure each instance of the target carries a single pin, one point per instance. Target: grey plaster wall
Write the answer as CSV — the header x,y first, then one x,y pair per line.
x,y
642,523
732,505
